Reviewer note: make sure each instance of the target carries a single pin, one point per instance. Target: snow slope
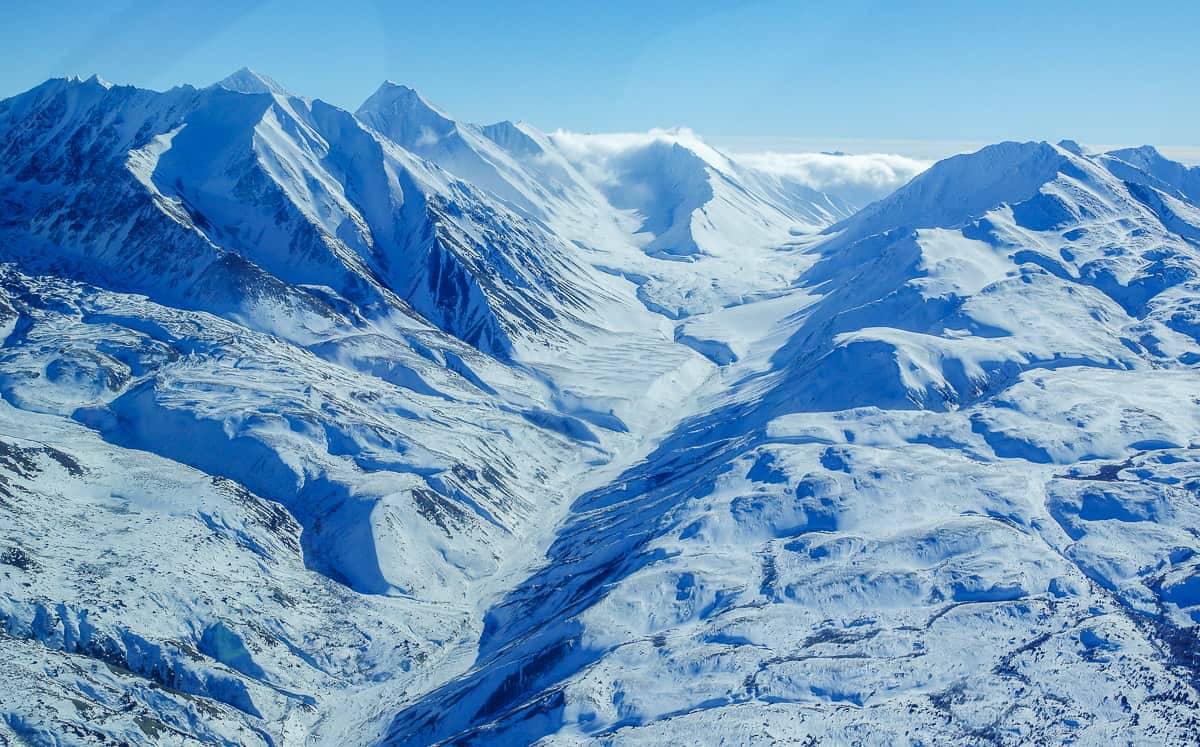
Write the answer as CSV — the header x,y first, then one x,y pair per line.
x,y
630,202
954,505
333,428
291,199
276,298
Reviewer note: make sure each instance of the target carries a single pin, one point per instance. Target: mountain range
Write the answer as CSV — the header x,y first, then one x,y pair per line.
x,y
383,427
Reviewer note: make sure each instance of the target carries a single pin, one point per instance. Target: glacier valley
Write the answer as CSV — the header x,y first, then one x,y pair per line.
x,y
386,428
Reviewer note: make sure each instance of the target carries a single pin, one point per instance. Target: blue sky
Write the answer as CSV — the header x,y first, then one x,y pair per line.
x,y
788,75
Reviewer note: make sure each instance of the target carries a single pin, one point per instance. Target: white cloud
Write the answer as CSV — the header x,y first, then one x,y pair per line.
x,y
859,178
595,152
1188,155
427,137
582,144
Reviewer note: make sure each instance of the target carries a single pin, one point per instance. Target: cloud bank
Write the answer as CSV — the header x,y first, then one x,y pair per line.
x,y
858,178
598,154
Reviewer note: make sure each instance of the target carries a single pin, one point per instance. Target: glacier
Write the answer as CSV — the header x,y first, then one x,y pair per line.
x,y
384,427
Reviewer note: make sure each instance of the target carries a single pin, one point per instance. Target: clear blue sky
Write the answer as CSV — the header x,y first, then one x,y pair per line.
x,y
860,70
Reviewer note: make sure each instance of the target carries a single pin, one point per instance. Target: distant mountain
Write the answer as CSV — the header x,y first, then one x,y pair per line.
x,y
1167,175
323,427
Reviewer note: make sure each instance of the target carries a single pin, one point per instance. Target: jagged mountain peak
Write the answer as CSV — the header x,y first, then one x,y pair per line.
x,y
92,85
514,137
499,158
398,110
246,80
93,79
392,89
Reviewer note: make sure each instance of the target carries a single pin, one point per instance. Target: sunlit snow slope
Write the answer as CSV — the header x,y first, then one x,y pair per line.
x,y
950,496
385,427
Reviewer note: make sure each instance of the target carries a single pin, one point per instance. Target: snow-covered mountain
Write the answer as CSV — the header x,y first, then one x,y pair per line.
x,y
948,495
385,427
